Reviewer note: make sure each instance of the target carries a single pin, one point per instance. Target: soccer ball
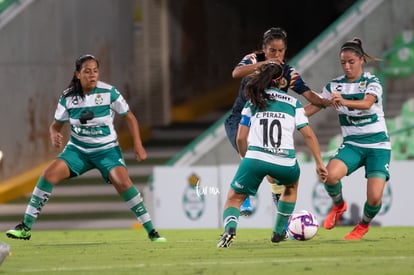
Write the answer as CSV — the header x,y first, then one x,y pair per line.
x,y
302,226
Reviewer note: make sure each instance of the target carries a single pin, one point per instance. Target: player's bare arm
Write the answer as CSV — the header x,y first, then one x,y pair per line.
x,y
133,126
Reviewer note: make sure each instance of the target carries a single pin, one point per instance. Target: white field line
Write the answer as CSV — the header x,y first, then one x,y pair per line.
x,y
119,268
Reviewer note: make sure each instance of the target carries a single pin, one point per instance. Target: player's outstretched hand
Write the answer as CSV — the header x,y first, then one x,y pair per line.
x,y
322,173
140,153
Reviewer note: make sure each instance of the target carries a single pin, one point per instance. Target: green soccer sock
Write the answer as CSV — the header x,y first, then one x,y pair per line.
x,y
335,192
369,213
230,217
134,200
40,196
284,211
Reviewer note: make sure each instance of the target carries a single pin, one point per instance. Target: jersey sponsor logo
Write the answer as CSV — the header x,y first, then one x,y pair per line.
x,y
280,97
85,116
277,151
87,131
359,121
338,88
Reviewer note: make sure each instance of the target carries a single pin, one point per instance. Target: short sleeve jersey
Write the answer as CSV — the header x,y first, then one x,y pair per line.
x,y
91,118
364,128
272,129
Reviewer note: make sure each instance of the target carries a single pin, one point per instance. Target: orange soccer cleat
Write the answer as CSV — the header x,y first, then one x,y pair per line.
x,y
334,215
358,232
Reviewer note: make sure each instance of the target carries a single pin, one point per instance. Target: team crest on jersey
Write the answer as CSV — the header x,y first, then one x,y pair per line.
x,y
98,99
362,86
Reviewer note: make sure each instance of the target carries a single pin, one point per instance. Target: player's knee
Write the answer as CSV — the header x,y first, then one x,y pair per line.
x,y
332,179
121,186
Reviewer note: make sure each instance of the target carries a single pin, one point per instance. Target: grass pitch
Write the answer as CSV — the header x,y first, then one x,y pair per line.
x,y
384,250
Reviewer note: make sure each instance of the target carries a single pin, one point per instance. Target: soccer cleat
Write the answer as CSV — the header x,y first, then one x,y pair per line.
x,y
155,237
21,231
276,237
227,238
246,209
358,232
334,215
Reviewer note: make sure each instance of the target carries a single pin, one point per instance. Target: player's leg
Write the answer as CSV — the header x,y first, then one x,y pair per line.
x,y
245,182
333,185
285,209
120,179
276,189
231,125
289,176
377,164
246,208
231,215
372,206
54,173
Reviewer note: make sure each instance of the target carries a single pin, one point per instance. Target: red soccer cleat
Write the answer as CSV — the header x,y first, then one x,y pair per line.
x,y
334,216
358,232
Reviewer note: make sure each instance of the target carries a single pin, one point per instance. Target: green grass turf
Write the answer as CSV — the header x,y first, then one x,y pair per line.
x,y
384,250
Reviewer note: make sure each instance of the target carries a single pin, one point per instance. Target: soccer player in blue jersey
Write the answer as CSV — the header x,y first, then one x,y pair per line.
x,y
88,106
357,96
265,142
274,46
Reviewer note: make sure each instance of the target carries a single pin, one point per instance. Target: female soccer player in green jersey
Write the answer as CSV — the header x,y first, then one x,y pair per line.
x,y
89,105
265,142
357,96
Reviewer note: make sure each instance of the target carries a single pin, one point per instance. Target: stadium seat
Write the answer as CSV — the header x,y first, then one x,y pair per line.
x,y
398,139
401,129
407,112
407,115
399,147
400,59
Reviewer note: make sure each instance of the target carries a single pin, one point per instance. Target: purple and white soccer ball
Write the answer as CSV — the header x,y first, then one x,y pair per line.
x,y
302,226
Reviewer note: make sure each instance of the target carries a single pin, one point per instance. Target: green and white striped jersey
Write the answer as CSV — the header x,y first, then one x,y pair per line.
x,y
364,128
271,130
91,118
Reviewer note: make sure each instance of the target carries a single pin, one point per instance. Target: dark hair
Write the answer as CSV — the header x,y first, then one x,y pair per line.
x,y
74,88
268,36
355,45
268,76
274,33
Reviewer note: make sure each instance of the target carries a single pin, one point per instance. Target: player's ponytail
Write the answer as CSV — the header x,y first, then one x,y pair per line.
x,y
268,77
355,45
